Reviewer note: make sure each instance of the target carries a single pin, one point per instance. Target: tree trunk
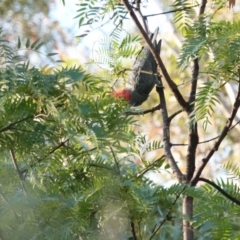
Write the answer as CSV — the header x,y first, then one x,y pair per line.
x,y
187,210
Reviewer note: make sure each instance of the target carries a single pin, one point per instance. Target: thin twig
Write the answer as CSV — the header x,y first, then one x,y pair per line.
x,y
150,166
209,140
9,205
156,229
138,71
179,144
143,19
170,11
20,175
119,23
61,144
158,107
19,172
9,126
174,115
14,160
115,159
233,126
99,166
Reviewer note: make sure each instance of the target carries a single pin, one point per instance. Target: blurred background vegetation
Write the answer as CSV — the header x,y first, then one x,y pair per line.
x,y
70,191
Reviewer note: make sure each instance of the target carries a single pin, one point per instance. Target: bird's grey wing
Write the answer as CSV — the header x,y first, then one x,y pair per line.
x,y
144,68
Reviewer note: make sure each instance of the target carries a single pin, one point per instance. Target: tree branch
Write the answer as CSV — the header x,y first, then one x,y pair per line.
x,y
149,167
223,192
193,130
202,7
170,11
160,90
20,175
115,160
10,207
14,160
133,231
209,140
174,115
220,139
123,70
9,126
19,172
166,137
167,215
143,19
179,144
158,107
61,144
157,58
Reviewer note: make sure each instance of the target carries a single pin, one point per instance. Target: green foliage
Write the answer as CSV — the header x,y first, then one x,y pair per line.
x,y
206,99
184,14
195,42
232,170
114,51
93,12
218,43
62,172
219,219
67,168
221,39
61,142
54,126
154,145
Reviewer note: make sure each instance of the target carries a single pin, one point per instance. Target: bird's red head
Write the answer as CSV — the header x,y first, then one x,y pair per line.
x,y
122,93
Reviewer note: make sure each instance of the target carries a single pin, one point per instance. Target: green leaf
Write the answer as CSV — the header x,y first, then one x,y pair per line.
x,y
39,45
52,54
27,43
19,43
34,44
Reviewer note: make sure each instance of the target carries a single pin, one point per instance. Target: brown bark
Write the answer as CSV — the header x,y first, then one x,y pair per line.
x,y
187,210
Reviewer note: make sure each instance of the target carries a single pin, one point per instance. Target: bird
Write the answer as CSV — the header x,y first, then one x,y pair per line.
x,y
143,75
